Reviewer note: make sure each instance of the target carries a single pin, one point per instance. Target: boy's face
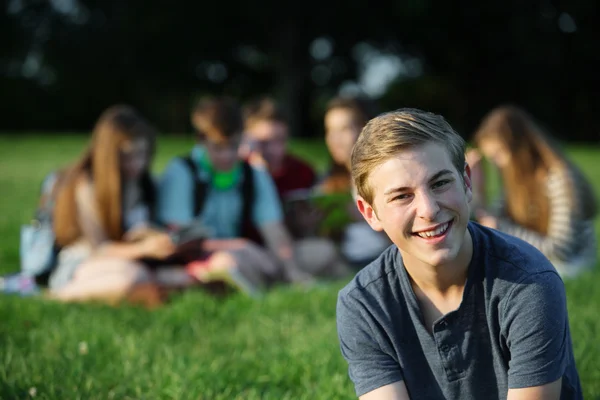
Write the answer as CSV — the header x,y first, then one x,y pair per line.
x,y
223,155
269,139
422,203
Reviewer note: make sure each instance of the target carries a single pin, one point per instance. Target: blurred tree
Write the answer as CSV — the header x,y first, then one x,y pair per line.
x,y
66,60
477,55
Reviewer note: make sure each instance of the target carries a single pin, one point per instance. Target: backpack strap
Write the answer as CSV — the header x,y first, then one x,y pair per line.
x,y
248,195
247,191
200,187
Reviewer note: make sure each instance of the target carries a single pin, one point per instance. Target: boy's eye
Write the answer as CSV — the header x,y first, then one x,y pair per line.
x,y
441,183
403,196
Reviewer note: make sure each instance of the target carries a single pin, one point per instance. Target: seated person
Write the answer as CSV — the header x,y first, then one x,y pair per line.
x,y
452,310
215,188
266,139
104,207
344,119
551,204
265,144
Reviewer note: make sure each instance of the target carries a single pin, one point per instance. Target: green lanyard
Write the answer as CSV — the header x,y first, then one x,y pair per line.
x,y
219,179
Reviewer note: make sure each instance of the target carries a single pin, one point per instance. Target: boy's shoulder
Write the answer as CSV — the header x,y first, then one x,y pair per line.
x,y
506,257
375,276
501,258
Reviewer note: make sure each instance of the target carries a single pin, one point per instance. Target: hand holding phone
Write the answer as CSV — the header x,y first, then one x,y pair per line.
x,y
189,233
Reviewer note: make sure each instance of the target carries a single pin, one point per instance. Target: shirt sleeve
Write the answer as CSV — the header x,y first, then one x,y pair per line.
x,y
369,366
267,206
536,328
562,237
175,195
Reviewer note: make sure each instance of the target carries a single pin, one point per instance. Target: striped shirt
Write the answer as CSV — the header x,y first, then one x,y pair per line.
x,y
570,238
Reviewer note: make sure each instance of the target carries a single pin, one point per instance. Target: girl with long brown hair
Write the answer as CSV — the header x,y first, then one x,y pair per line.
x,y
103,210
546,199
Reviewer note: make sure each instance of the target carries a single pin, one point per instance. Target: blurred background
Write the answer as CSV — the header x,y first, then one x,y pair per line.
x,y
64,61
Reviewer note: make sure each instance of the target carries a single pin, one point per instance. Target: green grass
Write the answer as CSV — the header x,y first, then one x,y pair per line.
x,y
282,346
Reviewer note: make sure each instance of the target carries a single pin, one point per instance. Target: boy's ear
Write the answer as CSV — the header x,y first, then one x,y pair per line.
x,y
369,214
468,182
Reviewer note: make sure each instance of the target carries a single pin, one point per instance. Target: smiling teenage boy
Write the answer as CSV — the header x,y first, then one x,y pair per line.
x,y
453,309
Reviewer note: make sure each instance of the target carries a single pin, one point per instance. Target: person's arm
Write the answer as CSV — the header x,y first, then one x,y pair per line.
x,y
279,242
267,216
374,372
562,236
550,391
175,198
535,326
395,391
158,245
94,233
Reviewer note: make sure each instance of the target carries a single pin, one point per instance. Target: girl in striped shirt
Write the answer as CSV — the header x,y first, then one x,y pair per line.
x,y
546,199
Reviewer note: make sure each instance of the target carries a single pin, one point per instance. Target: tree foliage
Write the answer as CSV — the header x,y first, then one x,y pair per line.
x,y
65,60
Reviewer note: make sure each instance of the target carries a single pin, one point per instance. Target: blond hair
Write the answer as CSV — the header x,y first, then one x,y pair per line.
x,y
390,133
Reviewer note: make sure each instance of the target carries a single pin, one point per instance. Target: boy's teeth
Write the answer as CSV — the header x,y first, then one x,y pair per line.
x,y
435,232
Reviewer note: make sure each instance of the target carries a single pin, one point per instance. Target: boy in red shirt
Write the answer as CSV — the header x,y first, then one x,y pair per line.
x,y
266,140
265,144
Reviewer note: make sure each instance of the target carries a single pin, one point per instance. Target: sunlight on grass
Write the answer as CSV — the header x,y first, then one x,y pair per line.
x,y
282,346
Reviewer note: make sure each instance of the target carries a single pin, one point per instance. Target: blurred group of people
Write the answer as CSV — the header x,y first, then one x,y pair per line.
x,y
240,211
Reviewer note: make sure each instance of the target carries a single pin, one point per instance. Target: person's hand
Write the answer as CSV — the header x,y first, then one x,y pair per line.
x,y
158,245
140,233
212,245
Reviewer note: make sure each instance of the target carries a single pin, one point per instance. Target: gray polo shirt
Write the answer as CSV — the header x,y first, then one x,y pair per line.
x,y
511,329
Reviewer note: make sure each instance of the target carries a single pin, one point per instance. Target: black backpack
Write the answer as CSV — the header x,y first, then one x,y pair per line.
x,y
201,188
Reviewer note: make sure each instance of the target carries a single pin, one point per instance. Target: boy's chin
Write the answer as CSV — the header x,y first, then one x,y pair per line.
x,y
438,260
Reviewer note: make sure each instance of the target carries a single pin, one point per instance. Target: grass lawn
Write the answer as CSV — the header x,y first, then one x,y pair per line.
x,y
282,346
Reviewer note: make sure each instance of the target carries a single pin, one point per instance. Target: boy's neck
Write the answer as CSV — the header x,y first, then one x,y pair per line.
x,y
443,280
